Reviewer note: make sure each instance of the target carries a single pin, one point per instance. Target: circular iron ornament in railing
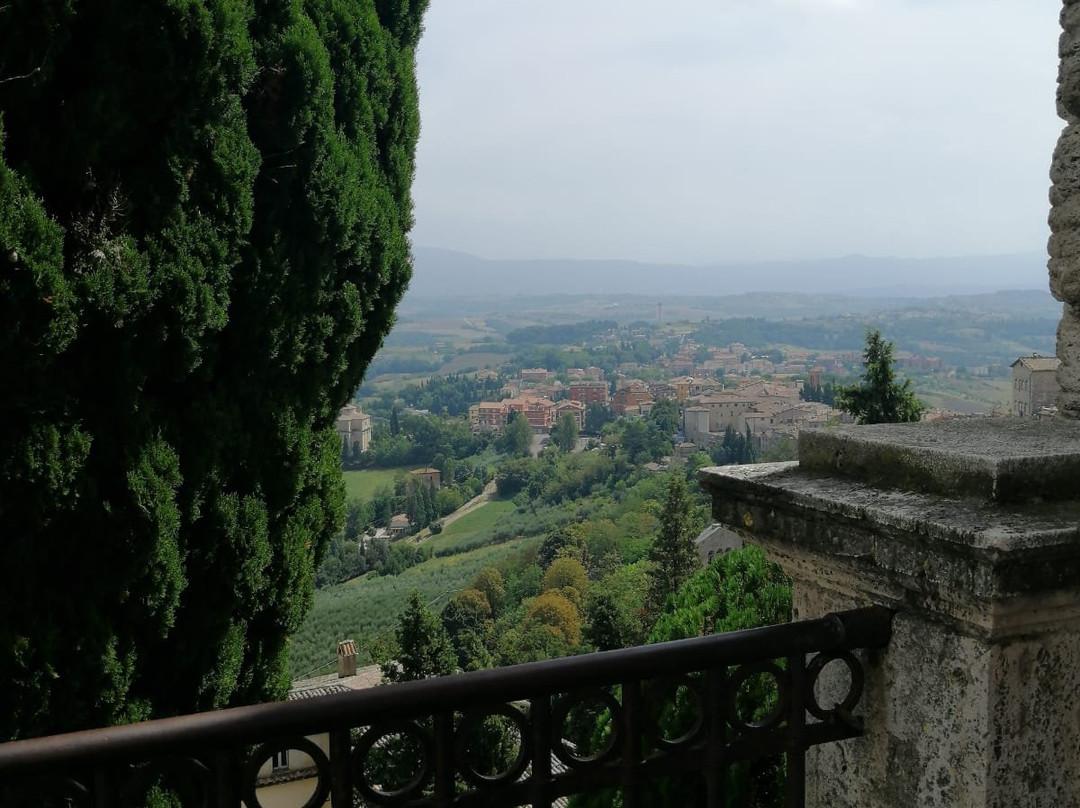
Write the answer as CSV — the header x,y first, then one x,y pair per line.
x,y
473,720
250,774
415,784
653,704
855,687
776,715
30,792
561,711
140,780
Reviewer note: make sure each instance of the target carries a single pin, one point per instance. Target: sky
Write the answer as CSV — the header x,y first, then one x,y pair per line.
x,y
701,131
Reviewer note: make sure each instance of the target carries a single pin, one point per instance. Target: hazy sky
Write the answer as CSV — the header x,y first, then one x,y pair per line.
x,y
704,130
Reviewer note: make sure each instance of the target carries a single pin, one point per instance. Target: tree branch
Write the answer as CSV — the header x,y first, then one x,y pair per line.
x,y
32,72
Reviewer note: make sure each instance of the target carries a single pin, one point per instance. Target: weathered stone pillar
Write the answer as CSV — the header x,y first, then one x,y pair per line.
x,y
1064,244
971,531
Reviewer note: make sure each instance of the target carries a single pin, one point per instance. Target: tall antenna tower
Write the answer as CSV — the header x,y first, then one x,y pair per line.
x,y
659,315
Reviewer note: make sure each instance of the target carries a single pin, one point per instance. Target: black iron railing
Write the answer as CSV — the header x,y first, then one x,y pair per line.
x,y
679,715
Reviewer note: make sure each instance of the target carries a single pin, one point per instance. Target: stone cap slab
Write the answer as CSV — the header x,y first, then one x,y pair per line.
x,y
978,563
994,459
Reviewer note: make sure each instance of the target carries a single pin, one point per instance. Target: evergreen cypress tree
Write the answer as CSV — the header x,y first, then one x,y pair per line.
x,y
203,218
749,453
673,554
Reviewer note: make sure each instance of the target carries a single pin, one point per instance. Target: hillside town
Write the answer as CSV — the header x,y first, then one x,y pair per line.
x,y
769,398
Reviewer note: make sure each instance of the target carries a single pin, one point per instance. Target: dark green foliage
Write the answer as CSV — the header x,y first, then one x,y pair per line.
x,y
825,393
423,647
641,440
880,398
517,439
569,334
565,433
738,590
616,610
358,515
608,627
735,448
553,544
203,218
451,394
665,416
470,631
419,440
347,559
596,415
673,555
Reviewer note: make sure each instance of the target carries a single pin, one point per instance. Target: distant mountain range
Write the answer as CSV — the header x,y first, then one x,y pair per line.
x,y
446,273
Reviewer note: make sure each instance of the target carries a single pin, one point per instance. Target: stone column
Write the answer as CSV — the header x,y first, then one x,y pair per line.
x,y
1064,244
970,530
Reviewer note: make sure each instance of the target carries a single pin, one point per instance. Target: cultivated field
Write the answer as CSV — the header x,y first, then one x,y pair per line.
x,y
365,609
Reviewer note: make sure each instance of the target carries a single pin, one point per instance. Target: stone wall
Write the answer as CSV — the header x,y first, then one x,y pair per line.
x,y
1064,244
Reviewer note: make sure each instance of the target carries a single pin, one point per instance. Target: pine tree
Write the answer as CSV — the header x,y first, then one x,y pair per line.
x,y
673,555
423,646
879,399
203,225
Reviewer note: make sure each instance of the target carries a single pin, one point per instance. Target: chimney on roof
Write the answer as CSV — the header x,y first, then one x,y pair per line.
x,y
346,659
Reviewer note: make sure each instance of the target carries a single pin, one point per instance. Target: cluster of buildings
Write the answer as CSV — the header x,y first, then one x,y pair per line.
x,y
767,410
541,413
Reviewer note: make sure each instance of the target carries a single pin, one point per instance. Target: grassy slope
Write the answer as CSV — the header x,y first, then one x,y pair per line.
x,y
473,526
365,608
365,484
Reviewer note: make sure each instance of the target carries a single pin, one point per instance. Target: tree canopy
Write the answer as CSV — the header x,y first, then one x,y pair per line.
x,y
517,440
879,398
203,219
565,433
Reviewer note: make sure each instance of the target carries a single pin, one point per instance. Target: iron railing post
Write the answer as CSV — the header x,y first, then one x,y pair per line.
x,y
796,752
341,789
544,736
632,727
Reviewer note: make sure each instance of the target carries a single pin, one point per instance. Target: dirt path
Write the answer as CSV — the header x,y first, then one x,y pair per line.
x,y
481,499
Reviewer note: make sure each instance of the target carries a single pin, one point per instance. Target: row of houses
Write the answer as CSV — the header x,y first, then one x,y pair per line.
x,y
632,398
541,413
